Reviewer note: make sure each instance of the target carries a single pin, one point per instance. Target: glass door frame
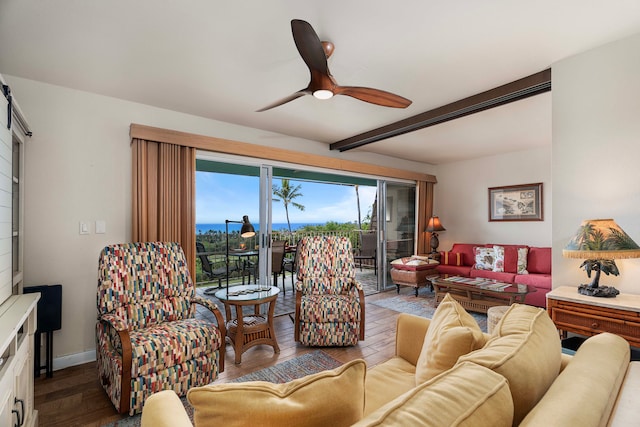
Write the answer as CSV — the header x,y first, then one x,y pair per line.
x,y
265,208
385,213
264,257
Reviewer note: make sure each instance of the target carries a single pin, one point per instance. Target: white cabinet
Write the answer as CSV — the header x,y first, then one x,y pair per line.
x,y
17,312
17,325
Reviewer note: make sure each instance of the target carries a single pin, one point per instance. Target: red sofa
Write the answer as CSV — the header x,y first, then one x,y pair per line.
x,y
460,261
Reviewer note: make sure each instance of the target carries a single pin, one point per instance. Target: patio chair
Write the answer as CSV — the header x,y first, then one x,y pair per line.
x,y
147,336
289,264
209,272
368,250
329,302
277,262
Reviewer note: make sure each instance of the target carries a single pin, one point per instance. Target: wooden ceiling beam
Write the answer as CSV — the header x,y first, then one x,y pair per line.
x,y
525,87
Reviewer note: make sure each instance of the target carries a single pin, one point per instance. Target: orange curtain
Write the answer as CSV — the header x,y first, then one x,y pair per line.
x,y
425,211
163,205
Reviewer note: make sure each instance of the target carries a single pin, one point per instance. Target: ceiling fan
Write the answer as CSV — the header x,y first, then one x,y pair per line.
x,y
322,85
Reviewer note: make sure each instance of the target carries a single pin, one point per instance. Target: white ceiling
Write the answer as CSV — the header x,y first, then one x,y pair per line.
x,y
225,59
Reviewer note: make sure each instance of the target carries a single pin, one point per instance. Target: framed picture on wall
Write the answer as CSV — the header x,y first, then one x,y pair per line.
x,y
516,203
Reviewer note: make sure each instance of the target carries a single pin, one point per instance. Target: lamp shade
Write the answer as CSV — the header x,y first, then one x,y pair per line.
x,y
601,239
434,225
247,229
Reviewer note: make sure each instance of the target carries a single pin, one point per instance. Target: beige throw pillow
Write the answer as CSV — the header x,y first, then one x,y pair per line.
x,y
329,398
468,395
525,349
522,260
451,333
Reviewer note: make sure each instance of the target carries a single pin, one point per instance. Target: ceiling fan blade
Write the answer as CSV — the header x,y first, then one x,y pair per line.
x,y
309,46
373,96
289,98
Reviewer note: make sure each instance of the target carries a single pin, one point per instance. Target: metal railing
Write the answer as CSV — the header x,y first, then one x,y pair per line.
x,y
215,247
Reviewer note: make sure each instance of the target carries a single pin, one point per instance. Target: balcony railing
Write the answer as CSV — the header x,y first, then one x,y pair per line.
x,y
215,248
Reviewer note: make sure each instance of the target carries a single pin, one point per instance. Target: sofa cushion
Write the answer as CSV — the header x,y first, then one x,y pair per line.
x,y
484,258
501,277
308,401
451,333
451,258
539,260
453,270
584,393
413,264
394,377
467,395
541,281
467,251
526,350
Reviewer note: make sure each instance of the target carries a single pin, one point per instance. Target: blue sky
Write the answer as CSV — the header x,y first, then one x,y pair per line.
x,y
222,196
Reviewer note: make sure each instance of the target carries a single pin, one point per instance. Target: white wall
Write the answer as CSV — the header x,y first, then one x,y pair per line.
x,y
78,168
461,198
596,152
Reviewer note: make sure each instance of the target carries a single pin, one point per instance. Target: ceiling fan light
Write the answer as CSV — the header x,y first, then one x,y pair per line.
x,y
323,94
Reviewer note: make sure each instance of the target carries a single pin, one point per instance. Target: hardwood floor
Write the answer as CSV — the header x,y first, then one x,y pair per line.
x,y
74,397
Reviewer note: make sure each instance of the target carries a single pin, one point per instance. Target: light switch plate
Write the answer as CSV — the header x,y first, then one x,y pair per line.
x,y
84,227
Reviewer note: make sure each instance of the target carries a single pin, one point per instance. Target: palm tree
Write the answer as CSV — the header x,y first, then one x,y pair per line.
x,y
286,194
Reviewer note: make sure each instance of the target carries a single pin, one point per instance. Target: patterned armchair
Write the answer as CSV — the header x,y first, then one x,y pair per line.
x,y
147,338
329,301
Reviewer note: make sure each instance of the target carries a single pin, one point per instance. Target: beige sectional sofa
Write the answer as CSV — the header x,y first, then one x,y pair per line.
x,y
444,373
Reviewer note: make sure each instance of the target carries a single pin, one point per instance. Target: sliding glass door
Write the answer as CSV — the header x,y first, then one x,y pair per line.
x,y
286,203
399,219
225,193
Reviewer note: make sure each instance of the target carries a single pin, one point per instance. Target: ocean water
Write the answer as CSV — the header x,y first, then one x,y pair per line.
x,y
203,228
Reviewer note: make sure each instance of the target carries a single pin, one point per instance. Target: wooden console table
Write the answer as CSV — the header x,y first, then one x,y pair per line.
x,y
585,315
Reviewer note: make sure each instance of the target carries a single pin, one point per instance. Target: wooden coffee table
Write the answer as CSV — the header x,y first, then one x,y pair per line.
x,y
477,294
248,331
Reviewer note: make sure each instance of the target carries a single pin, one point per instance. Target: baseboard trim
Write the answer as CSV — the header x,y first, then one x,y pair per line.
x,y
73,360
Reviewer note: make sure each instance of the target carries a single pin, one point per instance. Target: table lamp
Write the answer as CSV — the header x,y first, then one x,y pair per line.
x,y
246,231
433,226
601,242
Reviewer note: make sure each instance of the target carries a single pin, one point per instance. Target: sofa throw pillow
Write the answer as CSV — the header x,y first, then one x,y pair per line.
x,y
525,349
451,258
522,260
498,262
485,258
467,395
329,398
452,332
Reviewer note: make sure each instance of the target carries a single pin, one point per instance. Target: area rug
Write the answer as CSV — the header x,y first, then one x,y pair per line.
x,y
423,305
307,364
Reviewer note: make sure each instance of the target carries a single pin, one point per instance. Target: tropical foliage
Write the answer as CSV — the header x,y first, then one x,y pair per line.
x,y
592,238
286,194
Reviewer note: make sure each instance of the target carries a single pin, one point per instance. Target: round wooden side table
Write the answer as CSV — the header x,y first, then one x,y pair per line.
x,y
248,331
